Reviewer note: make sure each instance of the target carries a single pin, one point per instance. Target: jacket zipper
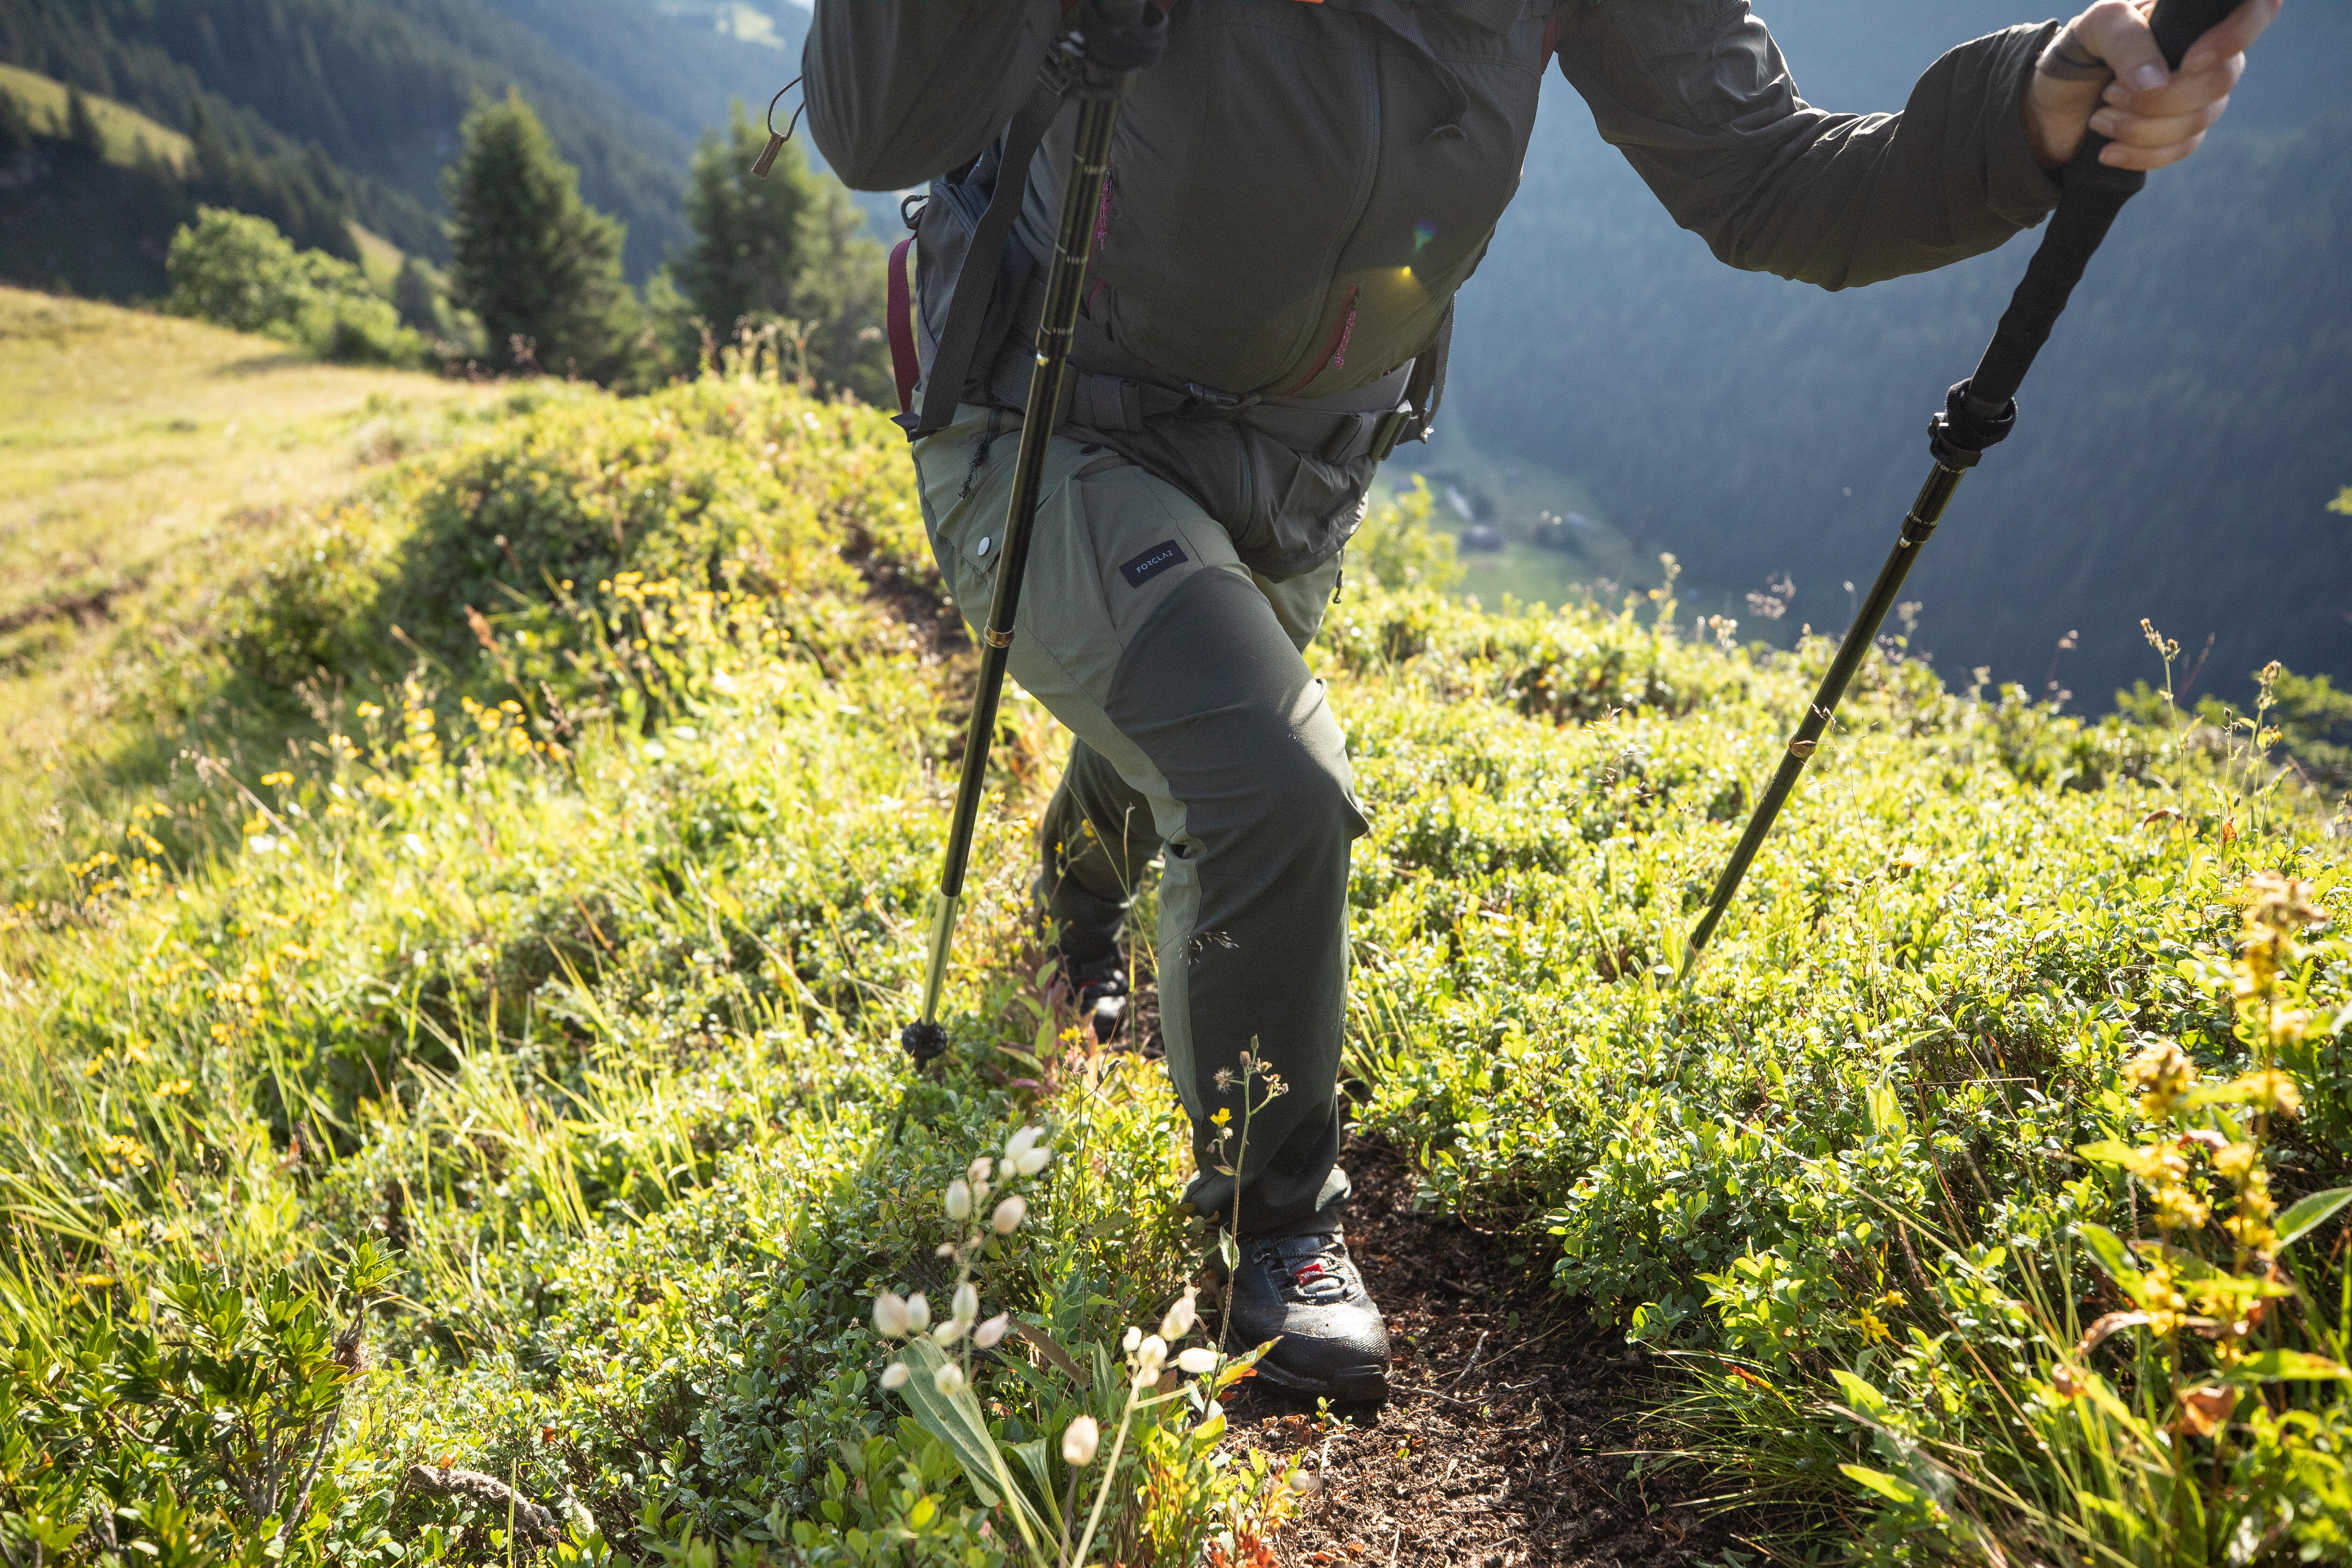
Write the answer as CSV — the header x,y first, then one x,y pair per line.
x,y
1335,353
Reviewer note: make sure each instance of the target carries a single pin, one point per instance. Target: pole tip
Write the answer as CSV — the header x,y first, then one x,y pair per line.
x,y
924,1041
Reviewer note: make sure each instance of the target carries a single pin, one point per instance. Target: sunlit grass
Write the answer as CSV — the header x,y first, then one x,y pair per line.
x,y
144,462
128,133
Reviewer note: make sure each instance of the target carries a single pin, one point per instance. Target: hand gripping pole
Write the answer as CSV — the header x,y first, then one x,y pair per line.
x,y
1977,414
1097,61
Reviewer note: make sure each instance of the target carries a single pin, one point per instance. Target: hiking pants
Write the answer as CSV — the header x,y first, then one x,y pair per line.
x,y
1201,740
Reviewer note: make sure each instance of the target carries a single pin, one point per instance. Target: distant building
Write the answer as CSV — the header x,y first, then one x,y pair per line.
x,y
1553,531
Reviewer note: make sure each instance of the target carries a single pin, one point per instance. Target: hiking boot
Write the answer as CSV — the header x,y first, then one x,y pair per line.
x,y
1304,1292
1096,992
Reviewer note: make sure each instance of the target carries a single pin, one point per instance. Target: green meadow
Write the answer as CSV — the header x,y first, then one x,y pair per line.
x,y
463,869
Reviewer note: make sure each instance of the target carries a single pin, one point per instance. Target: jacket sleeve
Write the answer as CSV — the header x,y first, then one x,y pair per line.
x,y
1696,94
899,90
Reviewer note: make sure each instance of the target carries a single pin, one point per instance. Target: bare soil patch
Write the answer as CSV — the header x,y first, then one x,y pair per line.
x,y
1507,1435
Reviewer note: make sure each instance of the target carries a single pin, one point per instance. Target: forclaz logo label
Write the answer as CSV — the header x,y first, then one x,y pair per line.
x,y
1152,561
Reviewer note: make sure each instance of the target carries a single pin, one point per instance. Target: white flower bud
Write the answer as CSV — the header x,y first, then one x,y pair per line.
x,y
991,1333
1079,1441
959,1200
967,1302
1182,1316
1198,1360
1009,1215
1134,1338
981,1169
944,1249
896,1375
946,1333
890,1316
1020,1143
1150,1356
919,1314
1031,1161
949,1379
1306,1483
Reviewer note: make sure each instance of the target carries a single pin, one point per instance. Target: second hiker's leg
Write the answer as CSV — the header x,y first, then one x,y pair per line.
x,y
1086,879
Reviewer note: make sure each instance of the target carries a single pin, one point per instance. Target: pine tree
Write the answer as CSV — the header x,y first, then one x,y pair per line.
x,y
417,300
15,128
81,126
790,248
538,266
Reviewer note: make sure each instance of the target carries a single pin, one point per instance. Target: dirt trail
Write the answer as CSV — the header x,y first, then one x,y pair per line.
x,y
1495,1447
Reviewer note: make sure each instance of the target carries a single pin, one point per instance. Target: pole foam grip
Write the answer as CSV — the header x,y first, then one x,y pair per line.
x,y
2178,23
2094,193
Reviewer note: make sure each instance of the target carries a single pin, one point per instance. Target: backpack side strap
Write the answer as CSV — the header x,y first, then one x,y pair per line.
x,y
1418,416
976,278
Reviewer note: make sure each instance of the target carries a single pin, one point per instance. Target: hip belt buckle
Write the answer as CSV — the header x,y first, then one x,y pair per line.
x,y
1389,432
1207,400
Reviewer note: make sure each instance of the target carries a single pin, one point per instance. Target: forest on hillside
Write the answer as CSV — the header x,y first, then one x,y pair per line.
x,y
375,91
2179,441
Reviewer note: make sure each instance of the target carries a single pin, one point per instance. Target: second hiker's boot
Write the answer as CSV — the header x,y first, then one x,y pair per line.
x,y
1096,992
1305,1292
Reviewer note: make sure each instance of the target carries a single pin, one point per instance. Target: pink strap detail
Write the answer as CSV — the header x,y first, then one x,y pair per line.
x,y
905,365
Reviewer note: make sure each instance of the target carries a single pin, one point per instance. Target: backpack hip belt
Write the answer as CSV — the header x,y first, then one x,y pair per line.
x,y
1125,405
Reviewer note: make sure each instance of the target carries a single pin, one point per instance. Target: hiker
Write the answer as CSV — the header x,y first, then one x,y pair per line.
x,y
1295,192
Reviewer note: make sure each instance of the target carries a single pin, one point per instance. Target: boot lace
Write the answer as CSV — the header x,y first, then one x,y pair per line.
x,y
1315,1267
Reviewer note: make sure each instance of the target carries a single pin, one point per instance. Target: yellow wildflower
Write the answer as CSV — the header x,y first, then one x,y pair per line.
x,y
2162,1073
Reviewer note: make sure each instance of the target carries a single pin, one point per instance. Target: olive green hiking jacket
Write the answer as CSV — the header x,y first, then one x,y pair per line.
x,y
1298,189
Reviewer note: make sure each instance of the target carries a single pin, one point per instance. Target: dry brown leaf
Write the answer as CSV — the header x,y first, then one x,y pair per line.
x,y
2097,1332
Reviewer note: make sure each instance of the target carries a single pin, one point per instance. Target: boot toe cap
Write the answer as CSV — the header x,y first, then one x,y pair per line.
x,y
1341,1352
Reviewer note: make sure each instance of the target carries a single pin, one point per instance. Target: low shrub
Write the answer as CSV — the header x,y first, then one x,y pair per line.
x,y
236,270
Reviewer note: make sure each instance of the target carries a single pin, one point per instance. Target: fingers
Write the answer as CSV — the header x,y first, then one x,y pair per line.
x,y
2150,130
2117,33
2117,156
2191,89
2141,142
2233,36
2152,116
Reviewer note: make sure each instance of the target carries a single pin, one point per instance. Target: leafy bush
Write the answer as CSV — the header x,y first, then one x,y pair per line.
x,y
236,270
1832,1171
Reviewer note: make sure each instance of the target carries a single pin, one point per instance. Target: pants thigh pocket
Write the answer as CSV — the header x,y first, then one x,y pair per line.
x,y
964,472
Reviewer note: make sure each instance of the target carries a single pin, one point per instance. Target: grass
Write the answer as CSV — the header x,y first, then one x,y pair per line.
x,y
452,953
379,259
144,462
1510,494
129,135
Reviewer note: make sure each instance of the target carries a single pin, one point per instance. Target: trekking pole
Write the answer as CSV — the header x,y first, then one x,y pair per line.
x,y
1977,414
1114,39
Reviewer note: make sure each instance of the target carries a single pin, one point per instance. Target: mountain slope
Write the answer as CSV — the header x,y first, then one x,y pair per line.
x,y
378,87
2179,438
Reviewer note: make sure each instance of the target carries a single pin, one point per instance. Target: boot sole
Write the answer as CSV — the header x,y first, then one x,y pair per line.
x,y
1351,1386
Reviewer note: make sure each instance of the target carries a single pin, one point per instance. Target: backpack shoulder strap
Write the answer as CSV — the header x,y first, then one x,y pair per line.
x,y
976,278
